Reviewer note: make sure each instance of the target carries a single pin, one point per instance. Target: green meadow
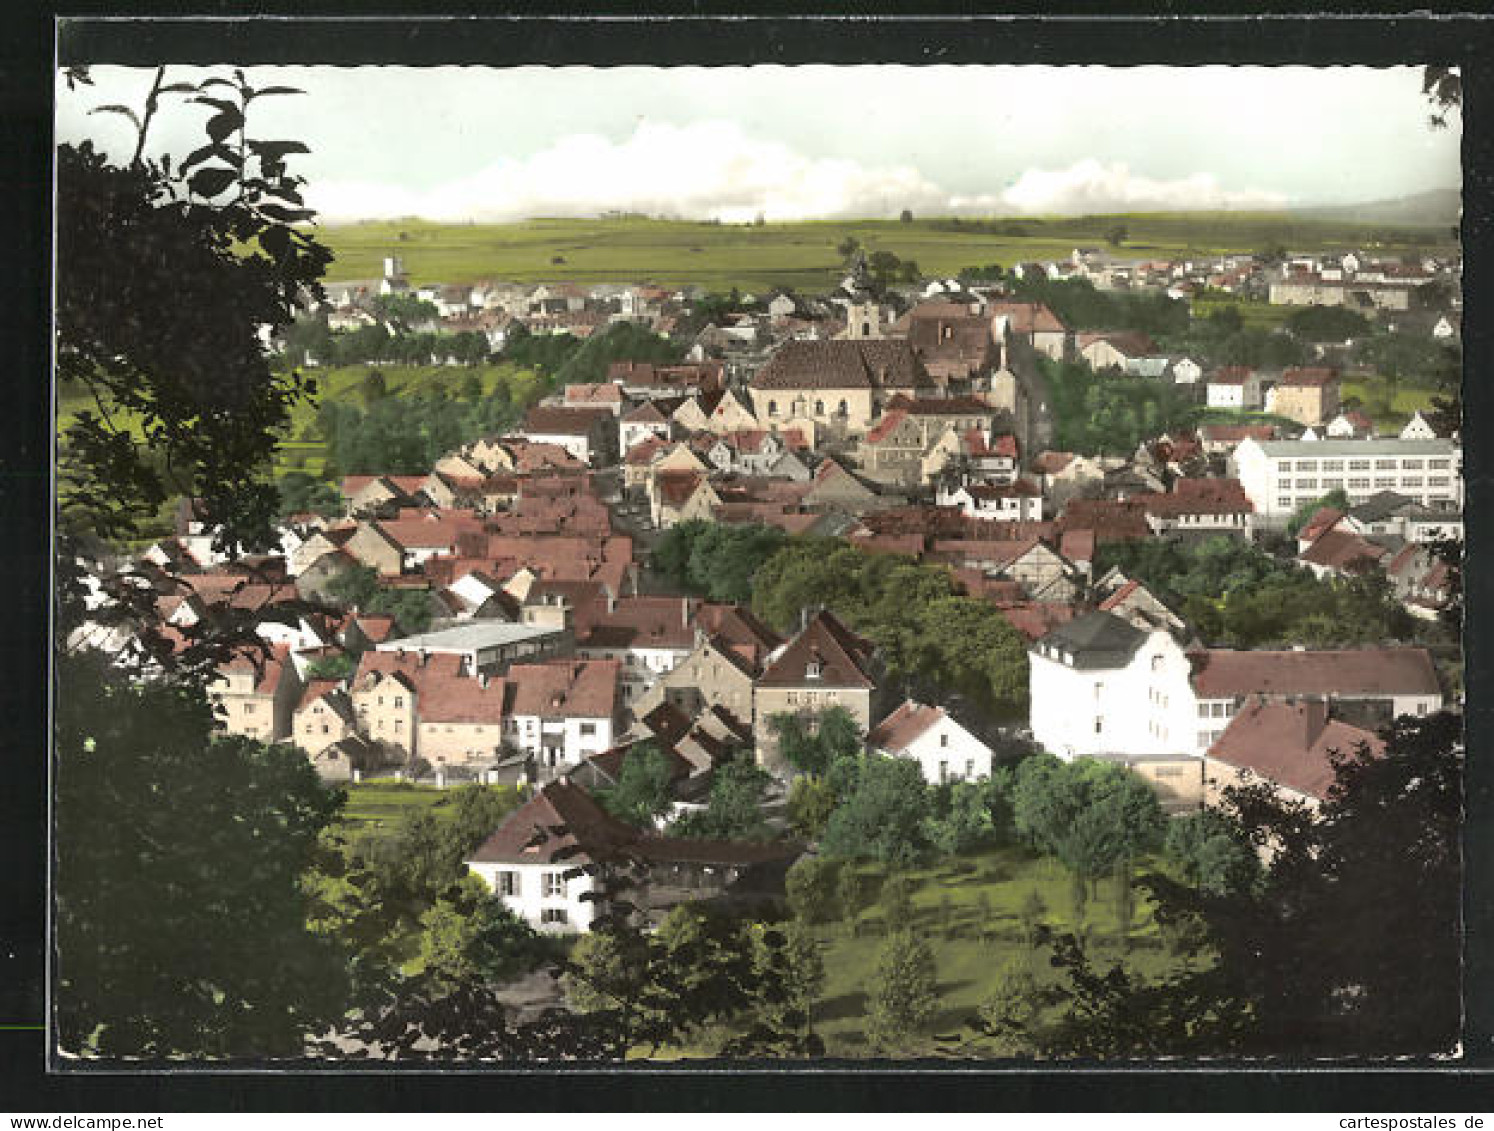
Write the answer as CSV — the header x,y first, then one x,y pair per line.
x,y
803,255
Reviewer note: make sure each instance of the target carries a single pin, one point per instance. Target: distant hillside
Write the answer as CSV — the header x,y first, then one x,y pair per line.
x,y
804,255
1439,208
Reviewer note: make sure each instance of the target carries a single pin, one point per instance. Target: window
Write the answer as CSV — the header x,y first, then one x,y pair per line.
x,y
772,408
1436,481
554,915
1385,481
399,724
1099,724
943,772
1413,464
1359,465
1156,663
944,740
1333,465
969,769
552,885
1307,484
248,708
1439,464
1384,465
1359,484
844,409
326,729
588,729
1421,708
1411,480
1307,465
399,700
1284,503
1330,484
1203,710
819,408
508,883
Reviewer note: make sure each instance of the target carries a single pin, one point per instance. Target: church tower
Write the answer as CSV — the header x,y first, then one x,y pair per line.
x,y
864,314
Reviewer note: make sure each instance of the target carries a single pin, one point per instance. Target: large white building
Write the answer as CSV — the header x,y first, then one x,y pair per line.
x,y
1101,687
1281,475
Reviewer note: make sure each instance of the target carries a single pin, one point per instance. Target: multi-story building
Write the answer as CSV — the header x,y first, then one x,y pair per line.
x,y
1280,475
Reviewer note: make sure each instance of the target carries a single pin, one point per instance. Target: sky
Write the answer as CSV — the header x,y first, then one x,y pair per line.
x,y
791,143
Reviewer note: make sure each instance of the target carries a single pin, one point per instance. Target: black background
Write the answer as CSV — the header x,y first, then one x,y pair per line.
x,y
1110,33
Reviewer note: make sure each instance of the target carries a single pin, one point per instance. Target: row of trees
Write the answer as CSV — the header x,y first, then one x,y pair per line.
x,y
1235,595
935,642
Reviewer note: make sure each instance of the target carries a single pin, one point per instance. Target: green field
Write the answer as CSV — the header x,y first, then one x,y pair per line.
x,y
1388,404
376,802
1252,313
803,255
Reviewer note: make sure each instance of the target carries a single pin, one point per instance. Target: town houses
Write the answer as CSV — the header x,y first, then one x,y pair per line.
x,y
499,616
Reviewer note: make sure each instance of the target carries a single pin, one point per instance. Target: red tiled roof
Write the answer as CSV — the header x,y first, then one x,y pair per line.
x,y
1028,317
900,729
1308,376
843,657
643,452
1323,520
560,817
575,689
1051,463
1220,673
1231,375
887,363
886,426
1291,744
1343,550
543,421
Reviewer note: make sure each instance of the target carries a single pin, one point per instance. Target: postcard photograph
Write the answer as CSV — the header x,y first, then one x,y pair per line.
x,y
788,564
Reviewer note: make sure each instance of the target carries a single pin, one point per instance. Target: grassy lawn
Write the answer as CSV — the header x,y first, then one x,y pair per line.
x,y
969,948
803,255
1252,313
1389,405
375,802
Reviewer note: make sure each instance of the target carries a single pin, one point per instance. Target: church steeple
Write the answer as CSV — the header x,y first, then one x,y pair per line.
x,y
864,313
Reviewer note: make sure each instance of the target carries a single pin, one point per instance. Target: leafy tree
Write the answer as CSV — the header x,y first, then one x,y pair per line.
x,y
795,969
882,817
964,822
374,388
224,225
211,833
811,888
340,666
621,341
1011,1009
642,793
812,744
469,933
1209,852
734,810
300,493
906,216
355,586
1328,324
896,898
905,996
810,802
850,891
716,560
1087,813
1115,235
848,247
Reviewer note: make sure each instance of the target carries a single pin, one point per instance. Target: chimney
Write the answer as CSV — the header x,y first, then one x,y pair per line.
x,y
1314,714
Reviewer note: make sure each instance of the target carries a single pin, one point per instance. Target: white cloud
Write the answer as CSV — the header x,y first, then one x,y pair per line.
x,y
1089,186
715,170
698,171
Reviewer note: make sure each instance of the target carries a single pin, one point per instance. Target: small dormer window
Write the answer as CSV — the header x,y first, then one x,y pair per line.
x,y
813,669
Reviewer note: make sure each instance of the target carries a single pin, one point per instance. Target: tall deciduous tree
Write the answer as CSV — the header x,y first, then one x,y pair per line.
x,y
180,912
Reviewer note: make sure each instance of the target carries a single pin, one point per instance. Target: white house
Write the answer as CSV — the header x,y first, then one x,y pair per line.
x,y
1280,475
1417,429
1234,387
944,750
564,711
1100,687
1021,501
527,860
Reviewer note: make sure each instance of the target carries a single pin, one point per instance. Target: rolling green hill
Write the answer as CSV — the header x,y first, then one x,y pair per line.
x,y
803,255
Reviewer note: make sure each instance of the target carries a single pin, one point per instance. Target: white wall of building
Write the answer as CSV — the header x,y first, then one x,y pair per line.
x,y
540,888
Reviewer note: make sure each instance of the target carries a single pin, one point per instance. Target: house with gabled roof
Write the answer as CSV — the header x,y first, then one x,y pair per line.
x,y
678,496
1290,744
824,665
586,434
255,695
564,711
840,385
641,423
551,861
944,750
323,715
731,648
